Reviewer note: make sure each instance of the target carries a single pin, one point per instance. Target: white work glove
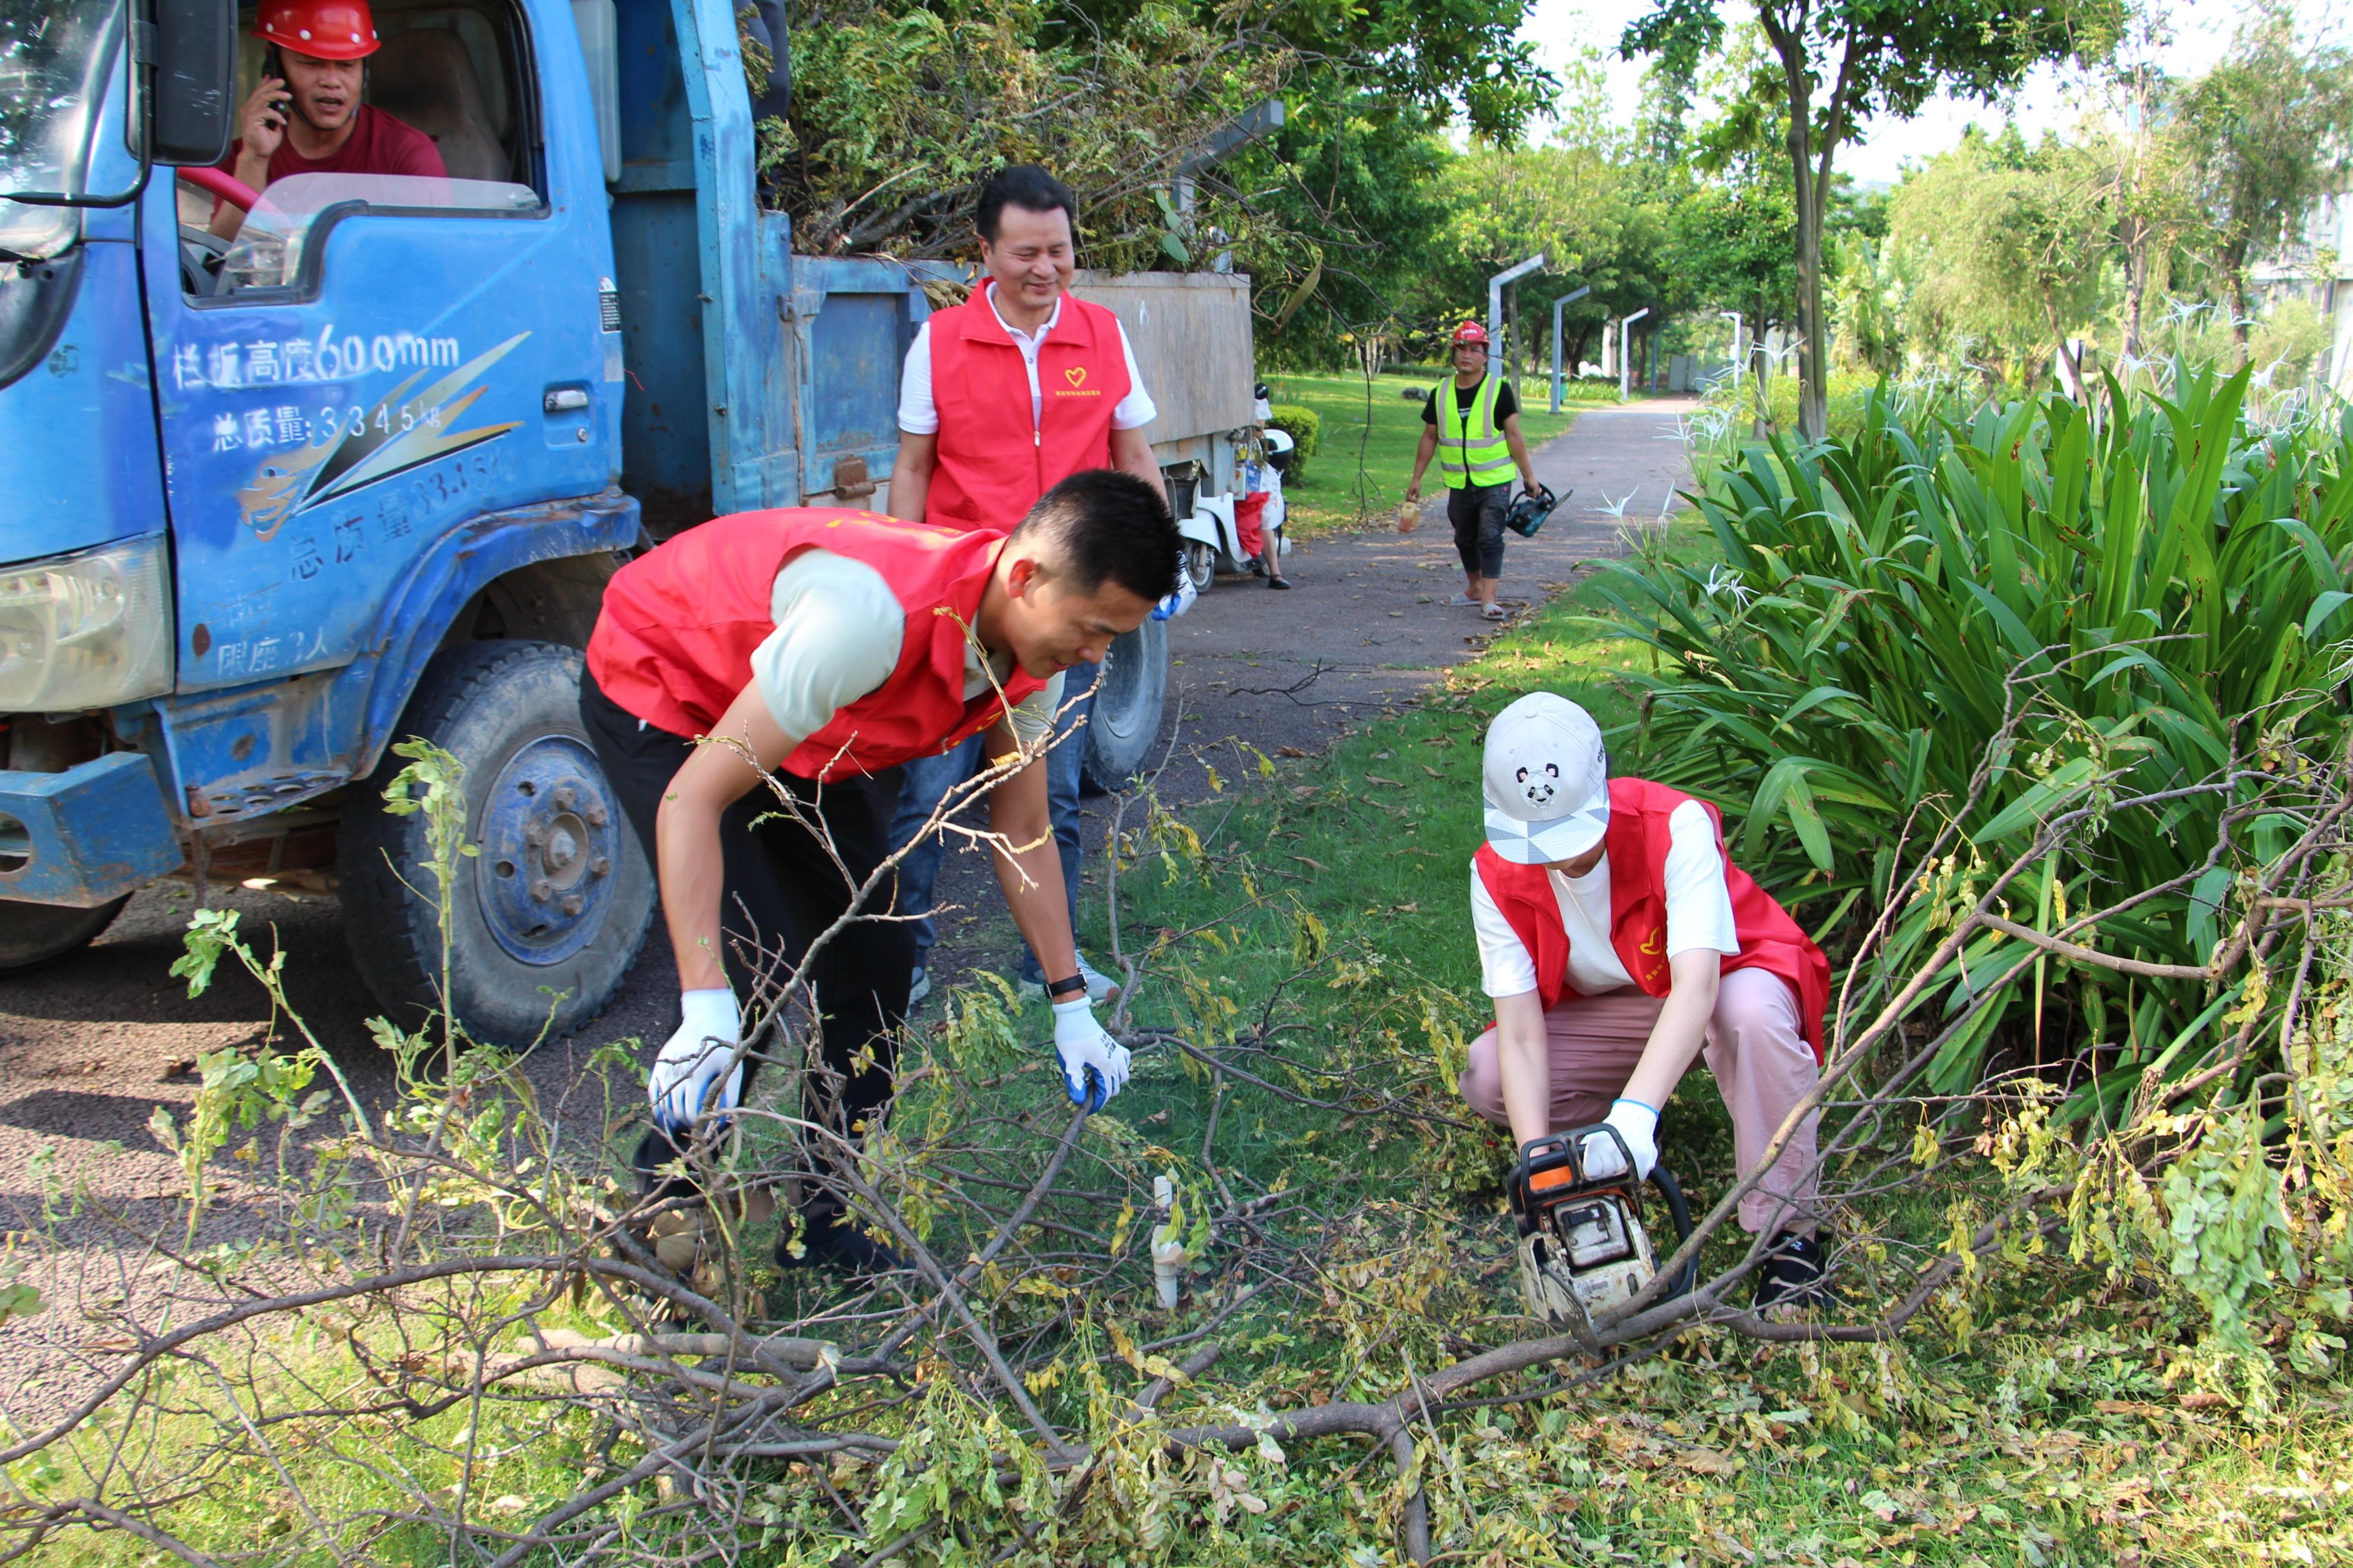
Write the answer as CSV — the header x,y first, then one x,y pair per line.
x,y
1637,1123
1095,1066
710,1029
1176,604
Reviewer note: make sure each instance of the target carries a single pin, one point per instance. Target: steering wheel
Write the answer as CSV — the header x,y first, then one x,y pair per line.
x,y
201,254
201,250
228,187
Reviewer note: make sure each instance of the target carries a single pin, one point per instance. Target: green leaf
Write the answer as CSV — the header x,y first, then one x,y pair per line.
x,y
2032,808
2323,606
1807,821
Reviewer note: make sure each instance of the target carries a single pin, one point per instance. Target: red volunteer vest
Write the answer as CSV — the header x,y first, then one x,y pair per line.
x,y
1636,845
673,643
993,464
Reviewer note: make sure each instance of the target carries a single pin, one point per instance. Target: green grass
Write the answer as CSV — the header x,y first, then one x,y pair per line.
x,y
1378,441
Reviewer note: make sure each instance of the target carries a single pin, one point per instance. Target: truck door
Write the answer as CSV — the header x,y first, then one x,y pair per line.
x,y
376,359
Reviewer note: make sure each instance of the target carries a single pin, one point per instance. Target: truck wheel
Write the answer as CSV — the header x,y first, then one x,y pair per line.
x,y
1128,695
546,918
33,934
1200,563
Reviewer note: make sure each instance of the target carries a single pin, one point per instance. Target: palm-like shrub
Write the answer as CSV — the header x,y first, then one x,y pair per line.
x,y
1978,617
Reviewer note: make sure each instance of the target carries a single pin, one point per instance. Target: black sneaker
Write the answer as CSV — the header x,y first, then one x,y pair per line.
x,y
1792,1276
836,1242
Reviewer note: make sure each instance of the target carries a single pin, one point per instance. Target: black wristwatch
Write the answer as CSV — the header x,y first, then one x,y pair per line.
x,y
1056,990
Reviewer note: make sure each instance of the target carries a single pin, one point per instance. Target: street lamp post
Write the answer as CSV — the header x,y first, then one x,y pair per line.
x,y
1570,297
1626,354
1495,308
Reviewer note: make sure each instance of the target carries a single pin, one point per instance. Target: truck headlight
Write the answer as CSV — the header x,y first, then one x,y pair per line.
x,y
87,630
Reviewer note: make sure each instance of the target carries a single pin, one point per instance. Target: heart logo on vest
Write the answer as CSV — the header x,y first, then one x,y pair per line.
x,y
1076,375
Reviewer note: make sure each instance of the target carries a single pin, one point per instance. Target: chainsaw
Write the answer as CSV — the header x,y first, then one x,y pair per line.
x,y
1583,1245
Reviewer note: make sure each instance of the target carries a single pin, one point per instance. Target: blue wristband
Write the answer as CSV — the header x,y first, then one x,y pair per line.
x,y
1628,1099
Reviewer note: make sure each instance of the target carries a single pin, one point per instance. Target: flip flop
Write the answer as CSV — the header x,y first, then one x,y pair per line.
x,y
1494,612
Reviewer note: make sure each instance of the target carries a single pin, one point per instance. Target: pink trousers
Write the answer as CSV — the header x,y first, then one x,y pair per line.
x,y
1762,1067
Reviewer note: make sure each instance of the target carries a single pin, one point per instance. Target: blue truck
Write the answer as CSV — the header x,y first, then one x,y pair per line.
x,y
362,472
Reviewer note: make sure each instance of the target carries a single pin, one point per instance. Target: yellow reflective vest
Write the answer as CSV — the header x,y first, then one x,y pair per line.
x,y
1471,449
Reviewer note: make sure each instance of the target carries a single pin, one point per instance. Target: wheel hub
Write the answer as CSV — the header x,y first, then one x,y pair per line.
x,y
549,841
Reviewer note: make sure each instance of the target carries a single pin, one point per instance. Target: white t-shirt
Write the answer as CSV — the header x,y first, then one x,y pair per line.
x,y
1699,915
919,415
838,633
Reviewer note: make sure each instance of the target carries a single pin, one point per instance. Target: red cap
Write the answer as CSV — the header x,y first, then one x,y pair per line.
x,y
323,29
1470,332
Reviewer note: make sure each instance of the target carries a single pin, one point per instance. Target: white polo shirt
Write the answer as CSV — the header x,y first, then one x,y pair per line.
x,y
919,415
1699,915
838,633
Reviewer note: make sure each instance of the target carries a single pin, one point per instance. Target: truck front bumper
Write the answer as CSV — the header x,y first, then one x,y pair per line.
x,y
87,835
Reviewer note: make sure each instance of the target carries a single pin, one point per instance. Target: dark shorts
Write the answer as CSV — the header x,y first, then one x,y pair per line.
x,y
1477,512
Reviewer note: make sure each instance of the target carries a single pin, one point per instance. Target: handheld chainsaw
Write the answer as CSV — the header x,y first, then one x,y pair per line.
x,y
1583,1245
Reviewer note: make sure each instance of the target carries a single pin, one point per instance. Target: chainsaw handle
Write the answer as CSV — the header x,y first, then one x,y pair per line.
x,y
1553,1166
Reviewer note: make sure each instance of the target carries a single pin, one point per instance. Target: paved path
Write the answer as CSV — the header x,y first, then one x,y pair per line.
x,y
90,1047
1367,617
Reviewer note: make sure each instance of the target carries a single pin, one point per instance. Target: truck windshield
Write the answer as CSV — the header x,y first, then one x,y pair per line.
x,y
268,252
55,56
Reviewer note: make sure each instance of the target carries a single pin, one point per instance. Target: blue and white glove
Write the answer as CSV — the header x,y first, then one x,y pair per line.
x,y
692,1059
1177,603
1095,1066
1637,1123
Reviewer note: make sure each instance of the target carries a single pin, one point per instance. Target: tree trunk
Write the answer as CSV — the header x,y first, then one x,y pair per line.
x,y
2242,300
2136,285
1813,359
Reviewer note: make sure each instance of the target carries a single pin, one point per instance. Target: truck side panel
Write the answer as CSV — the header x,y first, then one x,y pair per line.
x,y
244,749
853,319
658,257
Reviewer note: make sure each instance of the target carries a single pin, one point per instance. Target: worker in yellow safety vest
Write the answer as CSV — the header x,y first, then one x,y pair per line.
x,y
1473,426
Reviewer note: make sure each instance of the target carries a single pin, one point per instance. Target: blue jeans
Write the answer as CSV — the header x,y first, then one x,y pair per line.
x,y
926,782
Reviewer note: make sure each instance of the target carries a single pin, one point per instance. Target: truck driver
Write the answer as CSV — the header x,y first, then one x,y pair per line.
x,y
305,117
826,647
1618,943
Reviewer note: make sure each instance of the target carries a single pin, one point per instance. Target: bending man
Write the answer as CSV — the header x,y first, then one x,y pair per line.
x,y
1619,944
832,646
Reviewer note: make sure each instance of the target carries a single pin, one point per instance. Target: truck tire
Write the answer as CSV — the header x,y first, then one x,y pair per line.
x,y
1128,696
548,914
34,934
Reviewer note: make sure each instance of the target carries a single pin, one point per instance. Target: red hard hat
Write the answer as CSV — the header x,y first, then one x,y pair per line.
x,y
323,29
1470,332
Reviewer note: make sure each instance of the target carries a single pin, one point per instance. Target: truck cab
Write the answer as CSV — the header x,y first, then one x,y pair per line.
x,y
361,471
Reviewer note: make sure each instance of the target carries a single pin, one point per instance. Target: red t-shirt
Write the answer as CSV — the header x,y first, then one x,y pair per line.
x,y
378,144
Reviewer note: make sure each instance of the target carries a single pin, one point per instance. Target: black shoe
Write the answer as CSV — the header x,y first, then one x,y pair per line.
x,y
1277,582
655,1151
1792,1275
837,1243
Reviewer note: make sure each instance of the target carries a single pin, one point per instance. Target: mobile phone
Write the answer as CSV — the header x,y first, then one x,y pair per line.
x,y
273,65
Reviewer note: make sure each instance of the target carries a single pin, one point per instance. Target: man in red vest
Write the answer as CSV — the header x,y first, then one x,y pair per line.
x,y
1619,943
829,647
1001,397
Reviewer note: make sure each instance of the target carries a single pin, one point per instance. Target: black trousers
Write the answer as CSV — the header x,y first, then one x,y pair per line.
x,y
782,891
1477,512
